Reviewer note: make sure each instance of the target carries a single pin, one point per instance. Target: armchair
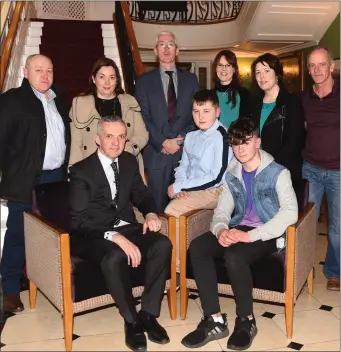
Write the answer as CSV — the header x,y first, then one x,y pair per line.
x,y
73,285
278,278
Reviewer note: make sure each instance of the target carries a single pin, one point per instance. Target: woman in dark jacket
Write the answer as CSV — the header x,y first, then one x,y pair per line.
x,y
234,100
280,118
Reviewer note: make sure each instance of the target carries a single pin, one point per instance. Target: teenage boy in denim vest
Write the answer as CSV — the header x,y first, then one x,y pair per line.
x,y
256,206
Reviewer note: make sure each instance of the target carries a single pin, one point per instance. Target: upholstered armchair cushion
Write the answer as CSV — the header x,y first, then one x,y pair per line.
x,y
198,222
51,202
268,273
87,279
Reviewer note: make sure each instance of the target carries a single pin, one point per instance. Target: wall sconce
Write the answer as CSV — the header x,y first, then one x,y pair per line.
x,y
245,72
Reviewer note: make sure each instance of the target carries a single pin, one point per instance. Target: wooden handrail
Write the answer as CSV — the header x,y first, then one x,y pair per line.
x,y
132,39
5,57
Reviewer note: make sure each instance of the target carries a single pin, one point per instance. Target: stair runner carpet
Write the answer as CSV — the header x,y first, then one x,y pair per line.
x,y
73,47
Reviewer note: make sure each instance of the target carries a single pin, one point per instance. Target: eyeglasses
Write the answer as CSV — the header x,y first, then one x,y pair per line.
x,y
222,67
169,45
318,66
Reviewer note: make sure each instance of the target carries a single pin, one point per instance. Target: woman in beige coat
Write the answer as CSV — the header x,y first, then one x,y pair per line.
x,y
105,96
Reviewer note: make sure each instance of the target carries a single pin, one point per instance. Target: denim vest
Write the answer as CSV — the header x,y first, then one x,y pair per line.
x,y
264,195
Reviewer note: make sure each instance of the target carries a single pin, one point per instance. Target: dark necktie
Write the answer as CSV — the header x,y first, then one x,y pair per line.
x,y
171,97
115,200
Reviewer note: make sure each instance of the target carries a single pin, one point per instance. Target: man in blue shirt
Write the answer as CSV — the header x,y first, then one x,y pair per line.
x,y
35,146
204,160
203,163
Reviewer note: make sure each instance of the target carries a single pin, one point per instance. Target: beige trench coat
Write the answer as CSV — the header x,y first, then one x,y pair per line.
x,y
85,117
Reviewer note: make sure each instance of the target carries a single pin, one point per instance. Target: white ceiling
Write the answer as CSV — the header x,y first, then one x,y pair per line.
x,y
262,26
285,26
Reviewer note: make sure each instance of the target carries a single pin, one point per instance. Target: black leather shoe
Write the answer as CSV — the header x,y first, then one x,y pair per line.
x,y
156,333
135,338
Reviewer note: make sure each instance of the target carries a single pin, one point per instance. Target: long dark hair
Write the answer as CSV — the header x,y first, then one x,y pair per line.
x,y
231,58
274,63
103,62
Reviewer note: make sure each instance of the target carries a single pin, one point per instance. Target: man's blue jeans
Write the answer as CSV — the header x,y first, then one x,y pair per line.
x,y
13,254
328,181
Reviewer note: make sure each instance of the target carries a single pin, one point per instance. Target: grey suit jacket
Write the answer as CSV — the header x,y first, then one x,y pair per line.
x,y
150,96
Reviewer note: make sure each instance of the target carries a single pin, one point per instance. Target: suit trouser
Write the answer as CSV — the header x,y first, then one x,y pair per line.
x,y
238,258
13,255
155,251
158,182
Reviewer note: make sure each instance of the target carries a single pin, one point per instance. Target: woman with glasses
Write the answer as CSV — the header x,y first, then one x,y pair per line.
x,y
234,100
104,97
279,116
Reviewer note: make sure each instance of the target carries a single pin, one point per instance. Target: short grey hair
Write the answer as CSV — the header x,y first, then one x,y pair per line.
x,y
166,33
109,118
327,50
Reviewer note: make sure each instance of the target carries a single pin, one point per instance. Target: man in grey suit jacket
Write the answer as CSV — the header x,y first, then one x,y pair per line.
x,y
165,96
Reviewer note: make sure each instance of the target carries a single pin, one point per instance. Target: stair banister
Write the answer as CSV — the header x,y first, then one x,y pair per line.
x,y
7,48
132,38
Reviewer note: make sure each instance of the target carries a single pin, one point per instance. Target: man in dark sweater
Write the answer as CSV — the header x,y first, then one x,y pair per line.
x,y
321,166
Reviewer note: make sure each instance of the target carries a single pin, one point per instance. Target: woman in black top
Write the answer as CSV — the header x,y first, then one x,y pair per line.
x,y
279,115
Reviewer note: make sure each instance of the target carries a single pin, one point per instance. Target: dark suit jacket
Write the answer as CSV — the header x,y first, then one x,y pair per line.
x,y
90,196
23,140
150,95
283,133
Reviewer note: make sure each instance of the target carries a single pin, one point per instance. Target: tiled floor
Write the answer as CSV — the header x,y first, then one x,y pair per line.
x,y
316,323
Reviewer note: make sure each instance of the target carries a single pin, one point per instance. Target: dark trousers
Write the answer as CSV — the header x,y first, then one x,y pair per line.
x,y
300,187
13,254
155,251
238,258
158,182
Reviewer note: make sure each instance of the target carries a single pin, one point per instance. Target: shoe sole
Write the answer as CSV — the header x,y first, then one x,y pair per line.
x,y
208,339
333,288
17,310
159,342
231,347
137,350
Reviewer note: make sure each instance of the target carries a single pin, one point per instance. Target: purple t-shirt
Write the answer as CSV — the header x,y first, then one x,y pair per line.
x,y
250,218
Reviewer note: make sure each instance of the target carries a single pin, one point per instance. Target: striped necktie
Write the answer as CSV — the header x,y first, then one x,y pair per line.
x,y
171,98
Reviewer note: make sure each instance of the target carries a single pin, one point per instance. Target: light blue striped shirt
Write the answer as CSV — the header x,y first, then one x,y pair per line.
x,y
55,129
203,162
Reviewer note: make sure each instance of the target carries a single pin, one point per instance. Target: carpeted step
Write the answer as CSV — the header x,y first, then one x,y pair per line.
x,y
73,46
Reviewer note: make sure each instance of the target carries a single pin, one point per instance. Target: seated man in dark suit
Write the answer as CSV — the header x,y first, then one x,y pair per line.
x,y
104,188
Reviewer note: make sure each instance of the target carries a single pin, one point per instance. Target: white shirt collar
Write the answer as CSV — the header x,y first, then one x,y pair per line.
x,y
51,94
105,161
